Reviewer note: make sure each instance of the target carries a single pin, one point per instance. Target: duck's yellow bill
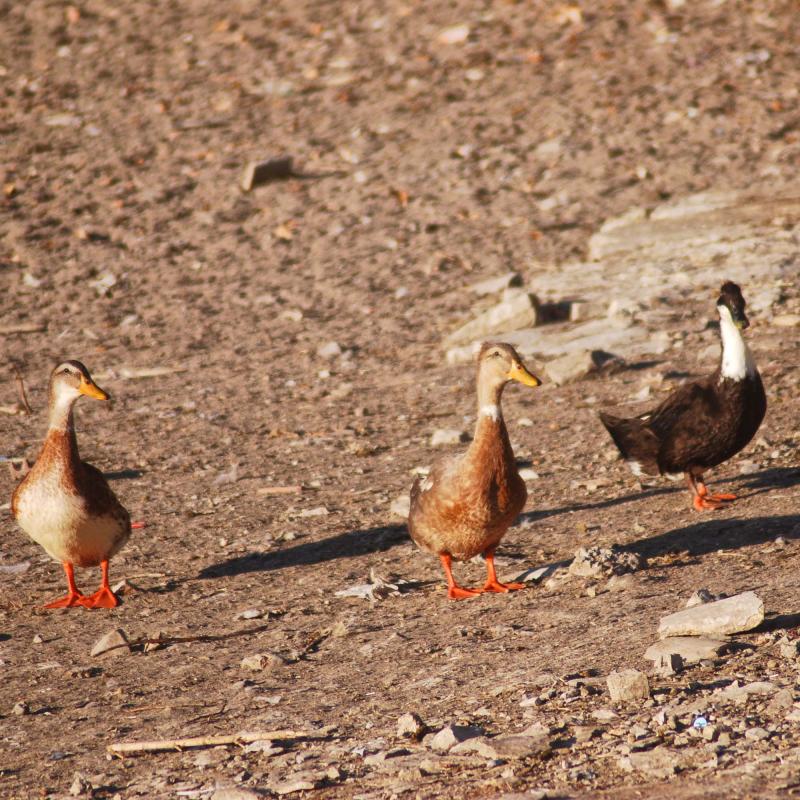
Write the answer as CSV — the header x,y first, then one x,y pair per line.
x,y
91,389
519,373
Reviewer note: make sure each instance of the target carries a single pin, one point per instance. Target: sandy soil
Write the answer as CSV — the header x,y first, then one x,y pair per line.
x,y
424,166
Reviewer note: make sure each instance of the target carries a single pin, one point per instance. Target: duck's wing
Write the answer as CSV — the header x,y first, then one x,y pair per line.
x,y
436,491
690,407
100,498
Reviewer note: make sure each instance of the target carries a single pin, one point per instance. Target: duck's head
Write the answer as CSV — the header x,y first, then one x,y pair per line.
x,y
499,363
730,306
70,379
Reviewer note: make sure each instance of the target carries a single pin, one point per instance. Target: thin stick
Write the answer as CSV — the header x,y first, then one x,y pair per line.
x,y
23,398
271,490
246,737
24,327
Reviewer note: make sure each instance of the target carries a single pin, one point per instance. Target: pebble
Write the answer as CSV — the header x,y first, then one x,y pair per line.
x,y
756,734
742,612
329,350
457,34
80,786
628,685
250,613
444,436
262,661
115,643
21,709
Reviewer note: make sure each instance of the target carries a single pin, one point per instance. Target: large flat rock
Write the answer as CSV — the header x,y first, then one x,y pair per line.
x,y
736,614
691,649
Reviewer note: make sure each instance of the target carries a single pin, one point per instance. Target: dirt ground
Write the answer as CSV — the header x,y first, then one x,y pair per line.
x,y
424,165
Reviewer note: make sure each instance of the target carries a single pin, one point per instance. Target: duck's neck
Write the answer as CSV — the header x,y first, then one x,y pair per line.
x,y
490,425
61,426
737,360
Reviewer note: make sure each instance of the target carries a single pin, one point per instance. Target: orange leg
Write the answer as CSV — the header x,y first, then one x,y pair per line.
x,y
454,591
492,584
73,596
702,500
103,597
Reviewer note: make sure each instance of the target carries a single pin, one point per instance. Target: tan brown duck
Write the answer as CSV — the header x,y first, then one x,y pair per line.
x,y
65,504
467,502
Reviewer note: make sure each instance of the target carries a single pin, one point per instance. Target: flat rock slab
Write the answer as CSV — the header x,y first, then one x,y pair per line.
x,y
507,748
736,614
660,763
691,649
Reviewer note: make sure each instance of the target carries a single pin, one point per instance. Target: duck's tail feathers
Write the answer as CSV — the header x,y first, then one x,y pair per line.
x,y
636,441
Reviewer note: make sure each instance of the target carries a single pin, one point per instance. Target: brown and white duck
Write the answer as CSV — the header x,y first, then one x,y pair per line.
x,y
65,504
703,423
467,502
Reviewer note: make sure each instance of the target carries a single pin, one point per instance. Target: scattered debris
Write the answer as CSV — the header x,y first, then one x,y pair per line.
x,y
376,589
742,612
628,685
594,562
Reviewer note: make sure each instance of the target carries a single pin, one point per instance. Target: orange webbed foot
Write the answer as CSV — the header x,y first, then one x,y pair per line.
x,y
460,593
496,586
102,598
68,601
722,498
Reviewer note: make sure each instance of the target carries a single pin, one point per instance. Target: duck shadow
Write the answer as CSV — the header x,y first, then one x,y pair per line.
x,y
345,545
712,535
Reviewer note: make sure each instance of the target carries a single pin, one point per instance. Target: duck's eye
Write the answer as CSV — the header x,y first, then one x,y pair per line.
x,y
65,371
495,354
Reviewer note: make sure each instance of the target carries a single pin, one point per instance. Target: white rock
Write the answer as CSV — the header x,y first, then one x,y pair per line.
x,y
457,34
498,284
571,367
451,735
329,350
411,726
115,643
699,598
444,436
742,612
520,311
628,685
692,649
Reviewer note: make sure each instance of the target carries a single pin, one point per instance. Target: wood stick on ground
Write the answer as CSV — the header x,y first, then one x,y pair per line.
x,y
200,637
246,737
24,327
23,397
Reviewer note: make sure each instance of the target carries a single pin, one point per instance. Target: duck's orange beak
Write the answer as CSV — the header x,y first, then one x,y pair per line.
x,y
519,373
91,389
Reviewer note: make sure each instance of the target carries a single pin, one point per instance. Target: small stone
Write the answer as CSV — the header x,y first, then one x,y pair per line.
x,y
781,701
724,739
411,726
451,735
250,613
454,35
152,646
498,284
691,649
262,661
789,648
115,643
669,664
444,436
756,734
299,783
80,786
234,793
572,366
519,311
699,598
21,709
628,685
742,612
37,639
257,173
329,350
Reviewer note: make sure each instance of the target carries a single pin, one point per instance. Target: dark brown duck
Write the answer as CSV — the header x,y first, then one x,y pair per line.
x,y
703,423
